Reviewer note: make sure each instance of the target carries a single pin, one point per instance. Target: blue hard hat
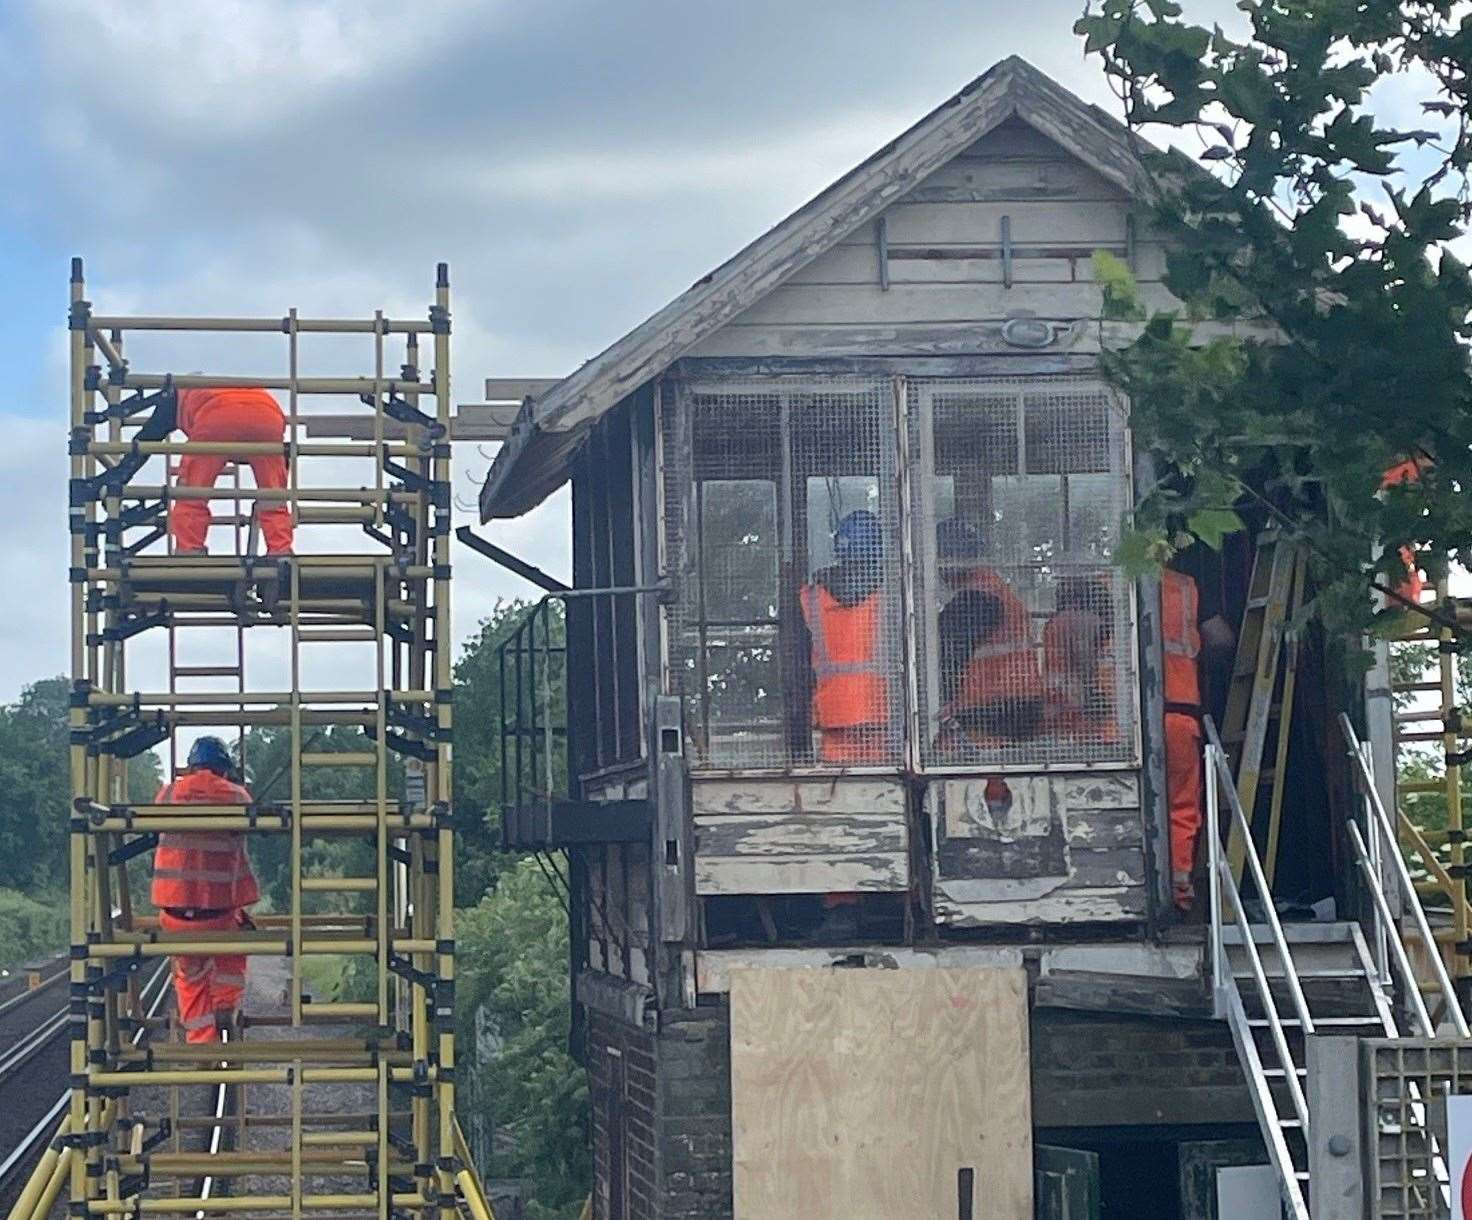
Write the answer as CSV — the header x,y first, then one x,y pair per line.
x,y
211,753
858,537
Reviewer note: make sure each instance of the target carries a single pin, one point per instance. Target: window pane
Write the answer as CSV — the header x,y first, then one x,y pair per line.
x,y
1024,624
738,550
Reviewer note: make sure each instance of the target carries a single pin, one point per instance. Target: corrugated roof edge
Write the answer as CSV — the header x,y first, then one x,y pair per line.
x,y
536,457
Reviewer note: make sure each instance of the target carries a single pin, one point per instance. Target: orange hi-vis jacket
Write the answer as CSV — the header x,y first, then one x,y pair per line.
x,y
1006,666
1181,639
202,870
849,687
1408,471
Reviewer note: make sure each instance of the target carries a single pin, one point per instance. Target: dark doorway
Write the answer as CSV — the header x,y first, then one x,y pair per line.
x,y
1140,1167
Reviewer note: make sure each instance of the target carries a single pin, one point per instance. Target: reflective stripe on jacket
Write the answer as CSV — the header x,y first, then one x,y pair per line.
x,y
1005,668
849,686
203,870
1181,638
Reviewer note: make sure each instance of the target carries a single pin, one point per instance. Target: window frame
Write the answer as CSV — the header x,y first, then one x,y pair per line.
x,y
915,546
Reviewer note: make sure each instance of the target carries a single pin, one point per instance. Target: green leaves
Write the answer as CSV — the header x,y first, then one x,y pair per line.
x,y
1323,235
1212,525
1121,292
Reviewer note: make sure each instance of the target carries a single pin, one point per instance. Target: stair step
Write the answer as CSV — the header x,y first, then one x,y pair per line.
x,y
1282,1073
1346,973
1294,1022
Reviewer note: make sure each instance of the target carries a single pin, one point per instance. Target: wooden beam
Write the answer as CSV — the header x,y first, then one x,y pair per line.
x,y
514,389
478,421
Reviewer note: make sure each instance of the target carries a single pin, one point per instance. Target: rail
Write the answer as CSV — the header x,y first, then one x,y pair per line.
x,y
1373,855
50,1174
1227,996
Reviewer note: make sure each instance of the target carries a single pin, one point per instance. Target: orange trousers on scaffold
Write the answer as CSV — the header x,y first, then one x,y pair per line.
x,y
227,416
205,984
1185,791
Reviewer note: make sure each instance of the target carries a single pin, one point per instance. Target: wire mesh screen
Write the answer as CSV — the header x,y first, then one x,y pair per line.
x,y
783,525
1025,623
1405,1083
790,643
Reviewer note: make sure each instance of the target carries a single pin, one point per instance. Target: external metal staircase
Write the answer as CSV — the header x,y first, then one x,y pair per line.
x,y
1280,985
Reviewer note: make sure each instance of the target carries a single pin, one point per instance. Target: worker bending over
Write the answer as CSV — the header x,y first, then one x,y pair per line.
x,y
202,882
842,608
990,685
234,414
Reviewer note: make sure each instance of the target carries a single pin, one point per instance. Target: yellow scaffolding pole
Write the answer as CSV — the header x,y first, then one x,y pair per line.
x,y
388,1051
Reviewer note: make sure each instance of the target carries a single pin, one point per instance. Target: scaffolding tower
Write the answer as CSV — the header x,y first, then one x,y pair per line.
x,y
358,1116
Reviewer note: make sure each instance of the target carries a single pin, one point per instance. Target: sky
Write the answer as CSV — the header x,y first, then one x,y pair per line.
x,y
577,163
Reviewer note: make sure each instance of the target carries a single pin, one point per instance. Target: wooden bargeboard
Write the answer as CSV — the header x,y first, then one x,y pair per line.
x,y
868,1094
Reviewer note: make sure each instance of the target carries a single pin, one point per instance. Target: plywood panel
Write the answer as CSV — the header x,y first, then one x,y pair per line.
x,y
863,1094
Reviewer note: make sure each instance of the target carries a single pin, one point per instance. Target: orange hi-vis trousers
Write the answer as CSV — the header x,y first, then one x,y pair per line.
x,y
1185,793
225,417
205,985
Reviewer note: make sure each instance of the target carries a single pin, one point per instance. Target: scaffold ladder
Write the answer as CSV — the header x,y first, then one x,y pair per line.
x,y
363,1122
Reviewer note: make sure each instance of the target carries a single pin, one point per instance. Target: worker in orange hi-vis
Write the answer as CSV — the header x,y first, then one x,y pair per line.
x,y
991,688
1408,471
842,610
202,882
233,414
1184,786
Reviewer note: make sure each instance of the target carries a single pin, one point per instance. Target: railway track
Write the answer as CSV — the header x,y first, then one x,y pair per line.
x,y
34,1056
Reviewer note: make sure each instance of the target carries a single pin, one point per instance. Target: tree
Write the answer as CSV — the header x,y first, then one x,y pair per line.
x,y
35,785
479,696
1329,230
512,968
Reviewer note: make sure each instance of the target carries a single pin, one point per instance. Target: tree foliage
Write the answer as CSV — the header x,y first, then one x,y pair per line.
x,y
1328,230
35,786
512,968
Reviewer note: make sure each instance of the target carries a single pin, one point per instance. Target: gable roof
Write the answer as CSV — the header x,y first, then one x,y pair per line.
x,y
535,459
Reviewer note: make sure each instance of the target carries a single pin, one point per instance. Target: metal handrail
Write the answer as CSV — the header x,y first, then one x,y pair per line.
x,y
1226,996
1225,885
1217,760
1382,830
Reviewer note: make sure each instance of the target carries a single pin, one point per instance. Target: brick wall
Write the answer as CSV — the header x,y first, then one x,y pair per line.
x,y
621,1082
695,1114
1097,1070
661,1117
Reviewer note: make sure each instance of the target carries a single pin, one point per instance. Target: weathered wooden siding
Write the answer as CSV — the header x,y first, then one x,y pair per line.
x,y
799,837
1072,850
924,275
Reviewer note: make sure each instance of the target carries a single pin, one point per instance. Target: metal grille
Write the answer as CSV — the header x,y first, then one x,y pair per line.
x,y
1404,1082
1025,623
786,535
784,514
